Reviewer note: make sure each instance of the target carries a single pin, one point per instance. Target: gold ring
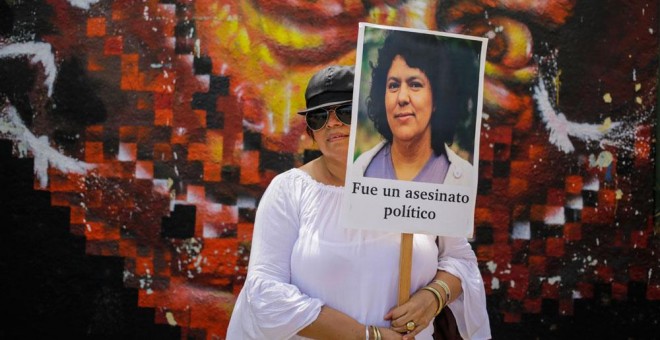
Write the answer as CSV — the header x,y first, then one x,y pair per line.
x,y
410,326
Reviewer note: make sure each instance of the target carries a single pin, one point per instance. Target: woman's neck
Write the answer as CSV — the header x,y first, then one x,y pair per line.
x,y
326,170
335,170
408,158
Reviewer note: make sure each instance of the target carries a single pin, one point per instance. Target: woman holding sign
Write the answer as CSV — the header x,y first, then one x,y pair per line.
x,y
309,277
414,103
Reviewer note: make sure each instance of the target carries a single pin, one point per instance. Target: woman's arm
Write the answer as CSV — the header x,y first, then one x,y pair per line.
x,y
269,306
457,268
333,324
422,306
457,258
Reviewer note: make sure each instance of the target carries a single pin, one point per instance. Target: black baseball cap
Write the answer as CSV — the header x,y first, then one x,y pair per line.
x,y
332,85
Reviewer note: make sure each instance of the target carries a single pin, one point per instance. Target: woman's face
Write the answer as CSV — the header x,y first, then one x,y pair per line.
x,y
408,102
332,139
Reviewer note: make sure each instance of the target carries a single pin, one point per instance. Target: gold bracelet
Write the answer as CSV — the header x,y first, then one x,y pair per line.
x,y
444,287
377,333
437,296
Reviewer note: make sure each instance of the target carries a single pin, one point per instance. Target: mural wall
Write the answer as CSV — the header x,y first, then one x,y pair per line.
x,y
153,127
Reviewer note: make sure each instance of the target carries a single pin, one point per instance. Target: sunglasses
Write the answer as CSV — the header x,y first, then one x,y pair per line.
x,y
316,119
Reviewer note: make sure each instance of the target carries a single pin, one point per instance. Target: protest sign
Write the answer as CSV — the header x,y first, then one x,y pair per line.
x,y
414,146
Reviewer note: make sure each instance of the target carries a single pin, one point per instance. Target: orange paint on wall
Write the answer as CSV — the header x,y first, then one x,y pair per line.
x,y
606,198
94,64
94,152
537,212
129,72
99,231
536,265
96,27
60,182
573,184
517,186
554,246
643,139
163,117
214,140
573,231
197,152
249,167
212,171
144,169
520,168
162,152
485,253
127,248
244,233
550,291
113,46
482,215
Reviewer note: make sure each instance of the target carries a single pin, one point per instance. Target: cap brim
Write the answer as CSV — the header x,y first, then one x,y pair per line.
x,y
324,105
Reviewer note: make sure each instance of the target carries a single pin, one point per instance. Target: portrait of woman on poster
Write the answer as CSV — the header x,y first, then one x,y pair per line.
x,y
415,102
311,277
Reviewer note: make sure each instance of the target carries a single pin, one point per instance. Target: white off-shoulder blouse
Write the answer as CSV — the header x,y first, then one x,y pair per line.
x,y
302,259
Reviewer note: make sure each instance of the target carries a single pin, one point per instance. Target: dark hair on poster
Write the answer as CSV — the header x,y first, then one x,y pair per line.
x,y
452,66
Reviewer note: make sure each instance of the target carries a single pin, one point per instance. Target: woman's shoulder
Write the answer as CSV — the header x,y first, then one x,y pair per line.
x,y
297,178
288,178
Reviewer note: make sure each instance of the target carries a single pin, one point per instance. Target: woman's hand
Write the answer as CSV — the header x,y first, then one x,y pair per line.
x,y
420,309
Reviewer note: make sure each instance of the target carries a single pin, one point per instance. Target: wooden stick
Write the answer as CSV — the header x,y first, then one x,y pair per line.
x,y
405,267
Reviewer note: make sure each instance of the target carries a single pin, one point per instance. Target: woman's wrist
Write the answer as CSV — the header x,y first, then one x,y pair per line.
x,y
445,288
430,301
372,332
438,298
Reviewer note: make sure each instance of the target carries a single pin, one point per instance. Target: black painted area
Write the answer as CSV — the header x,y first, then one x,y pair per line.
x,y
75,95
6,19
29,19
17,90
181,223
203,65
276,161
215,119
218,86
251,140
485,186
50,287
221,192
501,169
572,215
597,318
484,233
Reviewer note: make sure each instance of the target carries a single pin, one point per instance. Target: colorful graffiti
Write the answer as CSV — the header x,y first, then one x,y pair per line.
x,y
158,124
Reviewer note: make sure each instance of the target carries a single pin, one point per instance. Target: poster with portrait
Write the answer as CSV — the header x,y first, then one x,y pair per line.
x,y
414,147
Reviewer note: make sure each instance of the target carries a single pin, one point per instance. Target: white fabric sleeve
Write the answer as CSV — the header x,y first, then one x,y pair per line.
x,y
457,258
269,306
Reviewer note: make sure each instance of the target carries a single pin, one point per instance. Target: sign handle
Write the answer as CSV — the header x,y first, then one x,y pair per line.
x,y
405,267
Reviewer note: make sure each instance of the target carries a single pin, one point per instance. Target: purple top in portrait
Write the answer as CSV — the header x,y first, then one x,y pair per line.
x,y
381,166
